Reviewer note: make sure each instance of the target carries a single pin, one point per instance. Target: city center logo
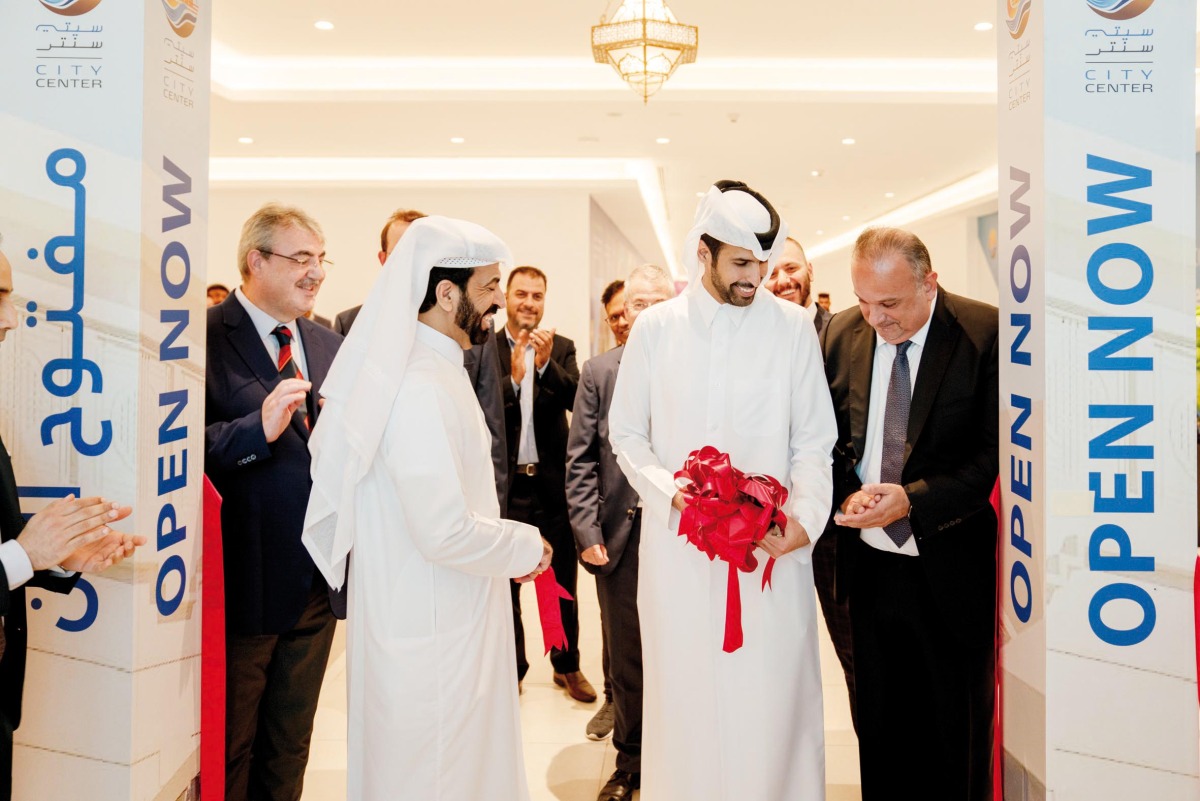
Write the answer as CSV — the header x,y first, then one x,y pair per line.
x,y
1018,16
1118,9
70,8
182,15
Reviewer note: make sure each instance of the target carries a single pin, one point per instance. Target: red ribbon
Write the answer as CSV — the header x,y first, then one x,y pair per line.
x,y
549,592
726,513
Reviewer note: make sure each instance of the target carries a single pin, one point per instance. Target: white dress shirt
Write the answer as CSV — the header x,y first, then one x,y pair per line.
x,y
264,324
527,448
868,469
17,567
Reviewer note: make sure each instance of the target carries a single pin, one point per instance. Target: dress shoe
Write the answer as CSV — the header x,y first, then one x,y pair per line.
x,y
601,724
620,786
578,687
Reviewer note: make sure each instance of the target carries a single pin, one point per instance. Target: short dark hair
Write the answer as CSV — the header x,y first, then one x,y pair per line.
x,y
526,270
611,291
211,287
459,276
405,215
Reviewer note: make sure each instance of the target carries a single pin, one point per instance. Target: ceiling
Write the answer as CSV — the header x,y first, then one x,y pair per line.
x,y
776,89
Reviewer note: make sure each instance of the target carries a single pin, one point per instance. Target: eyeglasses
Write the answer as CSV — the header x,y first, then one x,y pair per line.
x,y
638,306
302,258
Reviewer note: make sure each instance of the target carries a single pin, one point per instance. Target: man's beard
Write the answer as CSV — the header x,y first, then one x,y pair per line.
x,y
470,320
726,290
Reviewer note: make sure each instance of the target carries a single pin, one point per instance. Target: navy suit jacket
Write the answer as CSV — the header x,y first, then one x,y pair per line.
x,y
12,602
264,486
600,500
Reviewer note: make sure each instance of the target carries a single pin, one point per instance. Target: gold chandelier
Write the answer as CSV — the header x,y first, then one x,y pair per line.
x,y
644,43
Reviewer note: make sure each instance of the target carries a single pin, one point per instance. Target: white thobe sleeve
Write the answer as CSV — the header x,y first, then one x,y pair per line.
x,y
629,431
429,479
813,431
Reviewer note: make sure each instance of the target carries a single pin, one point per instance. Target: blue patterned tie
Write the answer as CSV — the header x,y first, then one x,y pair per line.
x,y
895,433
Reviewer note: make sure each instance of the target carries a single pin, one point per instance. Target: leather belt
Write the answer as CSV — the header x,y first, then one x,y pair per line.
x,y
527,469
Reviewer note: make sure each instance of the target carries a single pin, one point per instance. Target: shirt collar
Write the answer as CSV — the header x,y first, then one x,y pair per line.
x,y
918,338
263,322
446,347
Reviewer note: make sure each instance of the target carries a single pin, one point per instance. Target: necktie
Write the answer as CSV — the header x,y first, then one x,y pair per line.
x,y
895,434
287,364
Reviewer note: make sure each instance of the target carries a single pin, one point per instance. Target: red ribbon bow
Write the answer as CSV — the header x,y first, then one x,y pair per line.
x,y
549,591
726,513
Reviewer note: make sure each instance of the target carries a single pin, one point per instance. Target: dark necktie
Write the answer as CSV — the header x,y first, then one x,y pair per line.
x,y
895,434
287,364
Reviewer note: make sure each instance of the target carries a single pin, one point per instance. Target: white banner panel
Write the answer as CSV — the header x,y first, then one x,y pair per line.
x,y
103,203
1097,380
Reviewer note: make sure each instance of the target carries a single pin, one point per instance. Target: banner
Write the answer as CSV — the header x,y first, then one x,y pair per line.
x,y
1098,462
103,203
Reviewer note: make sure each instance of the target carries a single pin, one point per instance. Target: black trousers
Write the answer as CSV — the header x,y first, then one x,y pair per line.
x,y
6,757
525,505
272,686
837,615
925,700
617,593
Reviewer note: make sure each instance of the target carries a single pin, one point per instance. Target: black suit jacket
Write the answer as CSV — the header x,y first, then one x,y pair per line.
x,y
821,320
951,455
483,369
553,397
600,500
344,320
12,602
264,486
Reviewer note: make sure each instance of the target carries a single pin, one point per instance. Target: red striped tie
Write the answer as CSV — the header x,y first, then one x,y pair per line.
x,y
287,365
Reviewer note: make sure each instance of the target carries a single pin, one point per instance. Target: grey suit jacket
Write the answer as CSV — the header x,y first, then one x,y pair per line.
x,y
345,319
600,500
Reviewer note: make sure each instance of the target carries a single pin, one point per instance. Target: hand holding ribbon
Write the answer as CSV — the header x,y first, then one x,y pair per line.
x,y
726,513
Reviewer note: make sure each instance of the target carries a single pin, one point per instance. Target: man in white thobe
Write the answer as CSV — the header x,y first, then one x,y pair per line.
x,y
402,478
729,366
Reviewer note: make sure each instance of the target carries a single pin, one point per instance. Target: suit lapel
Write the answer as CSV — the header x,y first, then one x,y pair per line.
x,y
862,367
503,352
939,345
243,336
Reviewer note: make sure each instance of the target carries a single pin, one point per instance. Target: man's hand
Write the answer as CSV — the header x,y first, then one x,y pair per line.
x,y
103,553
543,565
68,525
543,342
284,400
777,542
596,555
874,506
679,501
518,356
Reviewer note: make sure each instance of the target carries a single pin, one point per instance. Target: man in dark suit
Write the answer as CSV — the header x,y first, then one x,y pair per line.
x,y
69,534
393,229
266,363
913,376
606,517
538,379
791,280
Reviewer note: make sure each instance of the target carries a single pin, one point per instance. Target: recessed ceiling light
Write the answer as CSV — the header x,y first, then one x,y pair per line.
x,y
457,140
816,173
820,232
245,140
662,140
983,26
889,194
847,141
323,25
701,194
845,218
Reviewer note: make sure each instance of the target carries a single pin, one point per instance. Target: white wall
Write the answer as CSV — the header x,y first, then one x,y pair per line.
x,y
548,228
954,248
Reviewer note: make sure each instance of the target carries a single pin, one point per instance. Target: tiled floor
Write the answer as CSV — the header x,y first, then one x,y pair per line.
x,y
561,763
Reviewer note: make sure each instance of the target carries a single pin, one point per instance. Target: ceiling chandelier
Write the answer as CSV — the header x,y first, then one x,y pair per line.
x,y
644,43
